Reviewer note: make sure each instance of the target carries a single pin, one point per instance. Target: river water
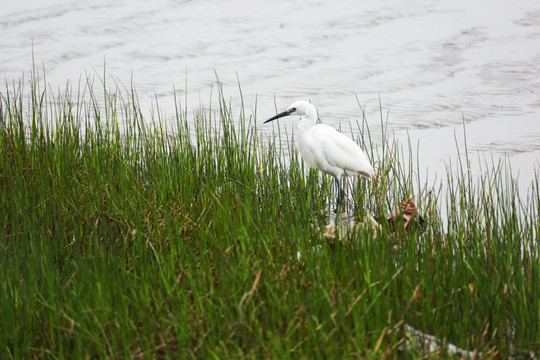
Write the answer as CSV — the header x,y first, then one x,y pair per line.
x,y
432,65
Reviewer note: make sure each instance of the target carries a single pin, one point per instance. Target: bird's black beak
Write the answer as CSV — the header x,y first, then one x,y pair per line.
x,y
285,113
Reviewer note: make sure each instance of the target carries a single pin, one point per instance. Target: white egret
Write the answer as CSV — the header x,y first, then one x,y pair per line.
x,y
325,148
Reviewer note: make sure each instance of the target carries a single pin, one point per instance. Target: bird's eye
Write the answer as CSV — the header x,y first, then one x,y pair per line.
x,y
292,109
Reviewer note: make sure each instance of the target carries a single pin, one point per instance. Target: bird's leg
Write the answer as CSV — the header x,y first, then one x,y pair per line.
x,y
340,196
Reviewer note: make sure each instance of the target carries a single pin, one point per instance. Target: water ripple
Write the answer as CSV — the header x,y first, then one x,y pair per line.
x,y
431,65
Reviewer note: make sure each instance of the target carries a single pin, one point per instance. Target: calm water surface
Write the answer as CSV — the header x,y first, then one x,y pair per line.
x,y
431,64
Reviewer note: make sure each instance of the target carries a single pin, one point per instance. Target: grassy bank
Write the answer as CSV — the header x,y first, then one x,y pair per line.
x,y
121,239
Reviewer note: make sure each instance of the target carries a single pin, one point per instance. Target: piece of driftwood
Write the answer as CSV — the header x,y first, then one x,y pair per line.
x,y
408,213
347,226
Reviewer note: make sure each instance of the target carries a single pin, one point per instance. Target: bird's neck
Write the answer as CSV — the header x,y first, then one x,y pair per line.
x,y
305,123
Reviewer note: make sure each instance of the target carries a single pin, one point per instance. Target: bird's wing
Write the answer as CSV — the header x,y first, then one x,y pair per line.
x,y
342,152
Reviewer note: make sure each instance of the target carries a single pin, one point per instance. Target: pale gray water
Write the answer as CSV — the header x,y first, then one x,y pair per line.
x,y
431,63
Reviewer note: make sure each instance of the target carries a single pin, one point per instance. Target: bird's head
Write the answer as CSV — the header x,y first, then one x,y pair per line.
x,y
300,108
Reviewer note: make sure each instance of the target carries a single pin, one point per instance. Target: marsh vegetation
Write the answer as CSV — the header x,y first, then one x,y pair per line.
x,y
122,237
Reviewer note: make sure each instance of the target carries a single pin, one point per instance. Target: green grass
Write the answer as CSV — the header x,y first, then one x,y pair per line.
x,y
120,239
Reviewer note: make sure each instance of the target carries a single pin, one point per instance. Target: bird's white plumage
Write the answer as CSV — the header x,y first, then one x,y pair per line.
x,y
325,148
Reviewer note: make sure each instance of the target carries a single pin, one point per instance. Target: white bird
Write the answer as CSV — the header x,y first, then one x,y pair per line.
x,y
325,148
